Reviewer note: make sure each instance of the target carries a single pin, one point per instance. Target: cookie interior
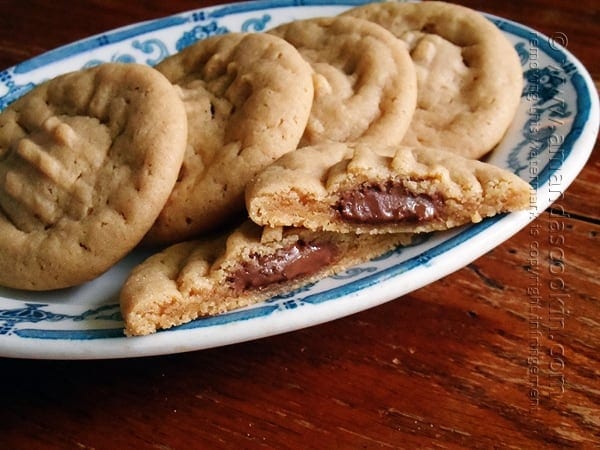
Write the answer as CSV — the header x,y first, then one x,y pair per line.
x,y
252,264
355,189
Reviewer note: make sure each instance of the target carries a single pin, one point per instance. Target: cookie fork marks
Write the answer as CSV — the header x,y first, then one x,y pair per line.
x,y
365,81
248,97
91,158
61,132
59,155
469,75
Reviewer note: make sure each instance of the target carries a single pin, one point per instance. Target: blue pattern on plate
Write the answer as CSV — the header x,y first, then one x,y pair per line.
x,y
94,43
199,32
10,319
542,85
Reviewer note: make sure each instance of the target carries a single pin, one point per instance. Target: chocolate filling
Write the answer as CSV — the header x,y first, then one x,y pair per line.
x,y
387,202
297,260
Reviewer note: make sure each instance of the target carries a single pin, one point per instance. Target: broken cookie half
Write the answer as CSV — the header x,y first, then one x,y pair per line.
x,y
358,189
212,276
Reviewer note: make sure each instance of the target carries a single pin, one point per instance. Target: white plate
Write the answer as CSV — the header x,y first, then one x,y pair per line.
x,y
548,144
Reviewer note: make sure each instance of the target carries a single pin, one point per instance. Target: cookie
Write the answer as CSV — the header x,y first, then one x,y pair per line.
x,y
248,97
365,82
469,75
206,277
87,161
346,188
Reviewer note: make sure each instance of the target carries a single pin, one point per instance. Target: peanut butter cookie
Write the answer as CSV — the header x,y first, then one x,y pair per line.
x,y
352,188
199,278
87,161
365,82
468,74
247,96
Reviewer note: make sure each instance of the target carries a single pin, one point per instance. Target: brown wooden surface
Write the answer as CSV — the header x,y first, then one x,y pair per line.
x,y
462,363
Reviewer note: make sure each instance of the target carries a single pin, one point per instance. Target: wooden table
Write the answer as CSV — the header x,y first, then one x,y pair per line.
x,y
451,365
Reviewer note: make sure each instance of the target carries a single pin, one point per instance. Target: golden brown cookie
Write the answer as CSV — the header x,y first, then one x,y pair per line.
x,y
199,278
87,161
365,83
247,98
468,74
345,188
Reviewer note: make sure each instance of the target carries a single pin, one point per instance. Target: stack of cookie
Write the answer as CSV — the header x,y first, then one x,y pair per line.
x,y
328,141
404,99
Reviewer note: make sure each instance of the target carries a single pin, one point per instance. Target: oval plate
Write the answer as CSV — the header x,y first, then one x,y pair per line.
x,y
548,144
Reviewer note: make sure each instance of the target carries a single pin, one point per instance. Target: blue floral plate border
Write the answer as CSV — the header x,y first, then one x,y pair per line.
x,y
548,144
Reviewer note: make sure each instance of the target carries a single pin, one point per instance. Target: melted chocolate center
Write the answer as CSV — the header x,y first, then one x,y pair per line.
x,y
385,203
295,261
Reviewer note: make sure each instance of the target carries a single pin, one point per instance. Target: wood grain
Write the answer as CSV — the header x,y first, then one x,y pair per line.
x,y
501,354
